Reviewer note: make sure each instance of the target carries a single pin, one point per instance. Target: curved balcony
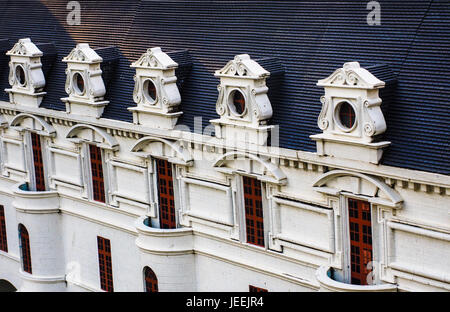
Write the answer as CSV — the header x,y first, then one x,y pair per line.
x,y
35,201
163,241
327,283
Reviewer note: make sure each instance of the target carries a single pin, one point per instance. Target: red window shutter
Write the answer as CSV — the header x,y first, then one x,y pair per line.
x,y
166,199
38,162
98,184
360,226
254,220
105,264
3,240
151,282
252,288
25,248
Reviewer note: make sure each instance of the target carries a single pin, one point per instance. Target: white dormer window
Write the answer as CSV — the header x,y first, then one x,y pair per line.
x,y
25,74
155,91
243,104
351,118
84,84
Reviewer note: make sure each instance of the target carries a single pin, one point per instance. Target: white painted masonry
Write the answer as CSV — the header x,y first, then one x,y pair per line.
x,y
304,205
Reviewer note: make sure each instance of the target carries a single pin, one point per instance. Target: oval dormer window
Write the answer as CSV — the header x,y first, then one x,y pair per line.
x,y
346,115
150,91
20,75
78,83
237,102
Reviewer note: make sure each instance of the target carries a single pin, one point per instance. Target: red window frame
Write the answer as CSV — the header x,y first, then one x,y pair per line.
x,y
24,240
360,230
151,281
38,163
252,288
105,264
98,183
166,198
254,219
3,238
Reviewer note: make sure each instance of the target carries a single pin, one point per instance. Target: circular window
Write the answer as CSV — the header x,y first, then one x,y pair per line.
x,y
78,83
237,102
150,91
346,115
20,75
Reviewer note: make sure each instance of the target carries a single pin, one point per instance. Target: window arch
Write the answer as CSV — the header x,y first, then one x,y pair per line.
x,y
151,281
24,240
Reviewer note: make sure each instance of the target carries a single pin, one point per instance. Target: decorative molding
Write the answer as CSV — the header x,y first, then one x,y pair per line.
x,y
35,123
174,152
351,75
243,66
155,58
391,197
24,47
93,135
271,173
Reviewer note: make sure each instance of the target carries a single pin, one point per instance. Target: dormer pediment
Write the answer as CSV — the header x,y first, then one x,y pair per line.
x,y
82,53
155,58
24,47
351,75
243,67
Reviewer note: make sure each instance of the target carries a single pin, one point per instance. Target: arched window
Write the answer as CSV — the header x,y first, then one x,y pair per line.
x,y
24,240
151,282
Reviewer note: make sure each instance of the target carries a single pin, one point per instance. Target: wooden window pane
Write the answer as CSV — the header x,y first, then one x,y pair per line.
x,y
25,248
151,282
105,264
3,238
98,183
360,227
254,220
252,288
166,198
38,162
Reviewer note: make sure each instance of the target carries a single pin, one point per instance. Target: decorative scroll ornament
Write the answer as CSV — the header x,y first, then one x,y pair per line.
x,y
155,58
137,94
375,123
243,66
24,47
322,120
220,107
351,75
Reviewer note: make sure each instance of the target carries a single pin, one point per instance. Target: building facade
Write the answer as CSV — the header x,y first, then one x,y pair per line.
x,y
93,203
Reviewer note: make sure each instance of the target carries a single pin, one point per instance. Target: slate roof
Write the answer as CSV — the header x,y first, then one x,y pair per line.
x,y
308,40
